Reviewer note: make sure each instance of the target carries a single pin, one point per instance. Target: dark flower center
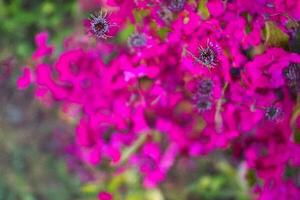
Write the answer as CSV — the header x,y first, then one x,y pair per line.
x,y
165,14
291,75
205,87
208,56
203,104
99,25
176,5
272,112
292,72
137,40
235,72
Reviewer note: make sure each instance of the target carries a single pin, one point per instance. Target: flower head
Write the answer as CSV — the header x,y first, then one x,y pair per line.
x,y
203,104
205,87
99,25
208,55
165,15
137,40
292,76
176,5
272,113
105,196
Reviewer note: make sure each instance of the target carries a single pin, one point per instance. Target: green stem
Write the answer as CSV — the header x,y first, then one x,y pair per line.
x,y
133,148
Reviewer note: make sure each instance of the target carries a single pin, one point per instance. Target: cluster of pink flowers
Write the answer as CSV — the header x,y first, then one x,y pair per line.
x,y
192,78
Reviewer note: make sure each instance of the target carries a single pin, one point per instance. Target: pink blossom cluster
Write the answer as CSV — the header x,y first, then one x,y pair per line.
x,y
193,77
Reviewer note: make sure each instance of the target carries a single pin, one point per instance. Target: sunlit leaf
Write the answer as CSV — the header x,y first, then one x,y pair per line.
x,y
203,10
274,36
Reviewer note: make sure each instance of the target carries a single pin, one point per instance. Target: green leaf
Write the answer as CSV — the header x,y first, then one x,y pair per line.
x,y
125,33
133,148
274,36
203,10
297,137
251,177
154,194
90,188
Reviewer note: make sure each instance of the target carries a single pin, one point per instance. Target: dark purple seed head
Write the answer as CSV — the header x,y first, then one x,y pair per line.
x,y
272,113
165,15
292,72
235,72
137,40
208,55
205,87
100,25
291,75
176,5
203,104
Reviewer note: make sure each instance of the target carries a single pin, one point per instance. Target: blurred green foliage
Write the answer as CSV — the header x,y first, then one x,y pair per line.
x,y
212,177
22,19
28,169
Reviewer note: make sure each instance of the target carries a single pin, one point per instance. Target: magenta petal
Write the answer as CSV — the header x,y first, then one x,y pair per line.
x,y
43,49
105,196
25,79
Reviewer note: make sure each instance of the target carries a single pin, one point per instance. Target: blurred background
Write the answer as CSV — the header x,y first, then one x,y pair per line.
x,y
33,139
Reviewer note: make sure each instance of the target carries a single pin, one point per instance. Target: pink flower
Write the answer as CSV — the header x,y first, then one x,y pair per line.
x,y
105,196
179,84
24,80
285,190
43,49
101,25
216,8
265,71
